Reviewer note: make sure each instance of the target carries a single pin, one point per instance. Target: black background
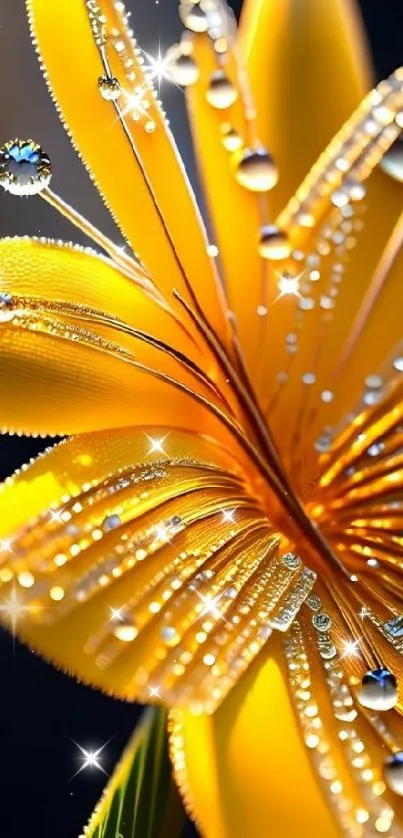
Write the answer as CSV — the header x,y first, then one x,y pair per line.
x,y
41,710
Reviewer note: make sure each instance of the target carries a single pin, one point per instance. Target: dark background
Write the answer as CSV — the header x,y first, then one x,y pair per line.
x,y
40,708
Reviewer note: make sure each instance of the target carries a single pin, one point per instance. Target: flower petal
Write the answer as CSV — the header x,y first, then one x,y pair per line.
x,y
311,742
126,160
143,563
299,55
238,768
308,66
341,340
347,267
234,211
64,347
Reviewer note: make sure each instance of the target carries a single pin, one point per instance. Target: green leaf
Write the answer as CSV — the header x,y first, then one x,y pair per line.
x,y
141,799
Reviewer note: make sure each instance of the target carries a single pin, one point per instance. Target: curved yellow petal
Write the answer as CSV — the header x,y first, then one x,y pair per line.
x,y
298,758
309,68
126,162
69,362
117,540
299,54
236,213
245,770
340,350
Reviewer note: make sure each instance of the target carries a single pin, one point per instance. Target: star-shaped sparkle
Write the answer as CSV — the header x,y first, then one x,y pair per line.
x,y
116,614
90,759
351,648
14,609
156,445
5,545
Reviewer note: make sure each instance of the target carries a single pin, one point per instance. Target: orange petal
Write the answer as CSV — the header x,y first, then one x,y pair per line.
x,y
141,533
64,349
298,759
235,212
309,69
240,768
126,166
324,336
299,56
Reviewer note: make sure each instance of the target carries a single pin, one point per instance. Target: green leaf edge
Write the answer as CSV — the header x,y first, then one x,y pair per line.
x,y
141,799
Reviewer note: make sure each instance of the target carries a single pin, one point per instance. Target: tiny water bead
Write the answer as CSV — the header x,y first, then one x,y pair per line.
x,y
256,170
6,308
193,16
221,93
231,140
392,162
25,169
378,690
109,88
273,243
393,772
183,70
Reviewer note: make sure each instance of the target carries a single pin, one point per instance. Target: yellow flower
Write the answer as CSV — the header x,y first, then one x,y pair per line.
x,y
222,530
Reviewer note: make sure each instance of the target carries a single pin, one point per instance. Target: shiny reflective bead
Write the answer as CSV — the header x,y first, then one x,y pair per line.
x,y
231,140
221,93
378,690
392,162
184,70
111,522
321,621
24,167
193,16
356,191
6,308
170,635
393,772
305,218
291,561
109,88
273,243
256,170
340,198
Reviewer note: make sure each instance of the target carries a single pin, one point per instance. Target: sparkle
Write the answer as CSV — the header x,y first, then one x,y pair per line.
x,y
157,67
351,648
156,445
288,284
228,516
5,545
116,614
90,759
57,516
14,610
210,606
154,692
162,532
365,612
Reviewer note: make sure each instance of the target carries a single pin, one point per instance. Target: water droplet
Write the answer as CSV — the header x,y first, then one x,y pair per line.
x,y
109,88
184,70
393,772
378,690
231,140
193,16
24,167
392,162
221,93
273,243
111,522
256,170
